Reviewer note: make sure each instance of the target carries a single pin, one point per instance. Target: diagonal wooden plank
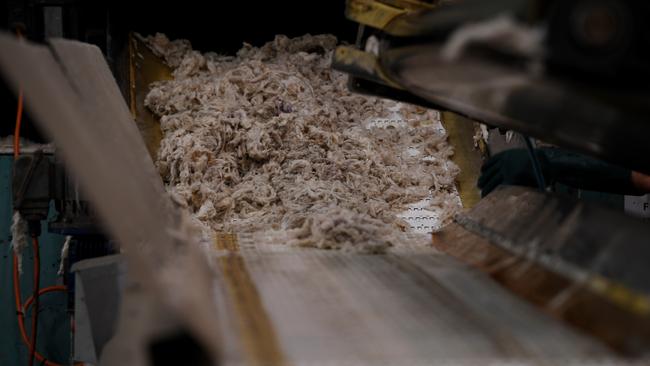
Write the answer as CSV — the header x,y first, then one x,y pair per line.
x,y
345,308
510,318
144,69
98,148
85,68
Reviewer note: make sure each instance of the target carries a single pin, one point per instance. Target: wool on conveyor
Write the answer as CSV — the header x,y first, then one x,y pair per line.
x,y
271,139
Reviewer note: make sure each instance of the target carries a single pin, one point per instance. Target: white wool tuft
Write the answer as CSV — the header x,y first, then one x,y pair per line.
x,y
64,254
19,238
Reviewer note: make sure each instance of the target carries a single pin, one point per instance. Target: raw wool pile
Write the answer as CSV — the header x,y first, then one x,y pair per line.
x,y
271,139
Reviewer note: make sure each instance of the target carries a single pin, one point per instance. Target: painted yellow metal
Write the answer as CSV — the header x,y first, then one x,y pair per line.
x,y
226,241
372,13
460,131
383,14
621,295
610,311
365,62
256,330
144,69
351,56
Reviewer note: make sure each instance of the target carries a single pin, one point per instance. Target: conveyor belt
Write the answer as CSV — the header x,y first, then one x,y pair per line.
x,y
410,306
272,304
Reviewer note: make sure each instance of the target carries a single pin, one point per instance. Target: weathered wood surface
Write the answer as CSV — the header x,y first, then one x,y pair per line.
x,y
73,97
407,307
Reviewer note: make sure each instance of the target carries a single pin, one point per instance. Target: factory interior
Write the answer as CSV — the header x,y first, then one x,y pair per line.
x,y
340,182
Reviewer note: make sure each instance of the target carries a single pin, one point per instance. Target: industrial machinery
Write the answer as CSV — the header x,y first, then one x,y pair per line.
x,y
569,73
521,275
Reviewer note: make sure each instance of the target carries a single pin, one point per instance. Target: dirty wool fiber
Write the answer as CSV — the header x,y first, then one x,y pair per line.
x,y
271,139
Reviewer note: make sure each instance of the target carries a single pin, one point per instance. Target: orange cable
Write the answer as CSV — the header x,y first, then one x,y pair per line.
x,y
42,291
34,298
19,117
16,276
21,317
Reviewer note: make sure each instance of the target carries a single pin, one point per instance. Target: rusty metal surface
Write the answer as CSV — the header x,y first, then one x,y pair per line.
x,y
583,264
360,64
382,14
499,90
587,237
460,132
144,69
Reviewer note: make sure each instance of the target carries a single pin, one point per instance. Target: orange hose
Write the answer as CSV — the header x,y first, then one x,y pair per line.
x,y
19,117
42,291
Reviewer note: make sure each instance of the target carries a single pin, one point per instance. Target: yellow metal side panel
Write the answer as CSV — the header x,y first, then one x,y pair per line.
x,y
372,13
469,158
255,327
144,69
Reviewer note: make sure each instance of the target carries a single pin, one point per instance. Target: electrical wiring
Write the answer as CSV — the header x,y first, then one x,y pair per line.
x,y
19,114
20,311
41,292
21,315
